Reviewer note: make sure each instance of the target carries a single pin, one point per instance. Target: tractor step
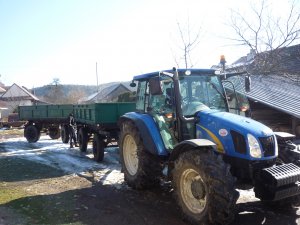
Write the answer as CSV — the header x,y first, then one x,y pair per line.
x,y
278,182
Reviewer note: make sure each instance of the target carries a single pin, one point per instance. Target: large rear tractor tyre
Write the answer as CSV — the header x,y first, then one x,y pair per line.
x,y
83,139
98,147
54,132
65,134
32,133
204,188
141,169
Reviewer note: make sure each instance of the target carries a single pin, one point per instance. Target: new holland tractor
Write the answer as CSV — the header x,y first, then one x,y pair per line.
x,y
184,130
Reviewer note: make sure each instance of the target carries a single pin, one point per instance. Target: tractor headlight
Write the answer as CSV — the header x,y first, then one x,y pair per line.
x,y
255,150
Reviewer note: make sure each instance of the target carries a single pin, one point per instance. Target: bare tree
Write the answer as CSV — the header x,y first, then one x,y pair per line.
x,y
267,35
189,39
55,94
55,81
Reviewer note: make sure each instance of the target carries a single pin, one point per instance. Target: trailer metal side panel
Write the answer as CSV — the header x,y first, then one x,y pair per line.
x,y
44,112
93,114
102,113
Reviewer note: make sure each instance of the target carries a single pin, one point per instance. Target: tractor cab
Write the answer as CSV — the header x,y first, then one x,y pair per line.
x,y
174,98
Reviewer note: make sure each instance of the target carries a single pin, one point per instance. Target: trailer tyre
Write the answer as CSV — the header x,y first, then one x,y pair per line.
x,y
65,136
204,188
54,132
141,169
83,139
98,147
32,133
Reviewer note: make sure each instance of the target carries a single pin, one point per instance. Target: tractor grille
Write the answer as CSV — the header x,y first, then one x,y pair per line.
x,y
239,142
268,145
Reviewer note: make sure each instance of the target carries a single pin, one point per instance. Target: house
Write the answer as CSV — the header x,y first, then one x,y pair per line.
x,y
274,101
16,96
3,106
107,94
274,96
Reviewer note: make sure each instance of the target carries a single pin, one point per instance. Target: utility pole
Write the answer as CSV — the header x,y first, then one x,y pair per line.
x,y
97,77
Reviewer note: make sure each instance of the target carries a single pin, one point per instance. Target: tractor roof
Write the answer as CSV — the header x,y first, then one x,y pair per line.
x,y
181,72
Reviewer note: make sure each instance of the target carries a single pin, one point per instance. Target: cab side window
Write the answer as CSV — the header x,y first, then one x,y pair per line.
x,y
142,96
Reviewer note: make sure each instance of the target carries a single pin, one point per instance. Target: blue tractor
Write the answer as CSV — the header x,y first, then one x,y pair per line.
x,y
184,129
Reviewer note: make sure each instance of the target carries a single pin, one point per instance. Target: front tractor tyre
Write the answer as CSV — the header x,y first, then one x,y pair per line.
x,y
204,188
32,133
141,169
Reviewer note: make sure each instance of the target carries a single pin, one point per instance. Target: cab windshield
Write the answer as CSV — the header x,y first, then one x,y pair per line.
x,y
201,92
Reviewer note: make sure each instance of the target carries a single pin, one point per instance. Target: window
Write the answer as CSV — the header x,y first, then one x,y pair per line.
x,y
142,91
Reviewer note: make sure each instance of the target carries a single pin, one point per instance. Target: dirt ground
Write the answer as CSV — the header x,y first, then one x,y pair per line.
x,y
48,183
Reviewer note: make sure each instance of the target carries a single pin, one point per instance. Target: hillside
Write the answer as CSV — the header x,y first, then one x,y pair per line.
x,y
69,93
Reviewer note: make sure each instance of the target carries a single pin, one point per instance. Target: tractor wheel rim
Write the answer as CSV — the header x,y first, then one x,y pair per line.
x,y
194,200
130,155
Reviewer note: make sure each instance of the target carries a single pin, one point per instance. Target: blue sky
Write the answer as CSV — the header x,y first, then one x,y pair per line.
x,y
45,39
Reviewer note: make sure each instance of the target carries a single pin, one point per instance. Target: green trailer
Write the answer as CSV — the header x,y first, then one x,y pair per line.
x,y
97,122
44,118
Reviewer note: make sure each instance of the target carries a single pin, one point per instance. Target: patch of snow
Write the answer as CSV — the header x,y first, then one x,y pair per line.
x,y
58,155
247,196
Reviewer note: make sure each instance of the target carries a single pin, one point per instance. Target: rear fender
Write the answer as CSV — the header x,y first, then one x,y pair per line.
x,y
148,132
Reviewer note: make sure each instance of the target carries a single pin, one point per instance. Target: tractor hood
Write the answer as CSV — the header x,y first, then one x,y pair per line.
x,y
224,120
230,131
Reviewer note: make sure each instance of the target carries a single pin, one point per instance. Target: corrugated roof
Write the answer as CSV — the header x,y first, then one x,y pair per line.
x,y
275,91
281,91
282,60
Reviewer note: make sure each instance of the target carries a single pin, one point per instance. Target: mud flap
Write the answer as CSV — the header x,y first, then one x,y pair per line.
x,y
278,182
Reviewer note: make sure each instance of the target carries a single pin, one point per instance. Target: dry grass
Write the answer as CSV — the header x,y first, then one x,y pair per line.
x,y
9,133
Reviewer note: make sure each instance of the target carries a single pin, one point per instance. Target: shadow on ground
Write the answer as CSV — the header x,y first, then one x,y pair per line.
x,y
106,205
13,169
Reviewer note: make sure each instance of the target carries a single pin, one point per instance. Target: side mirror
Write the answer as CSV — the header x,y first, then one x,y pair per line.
x,y
247,83
155,86
132,84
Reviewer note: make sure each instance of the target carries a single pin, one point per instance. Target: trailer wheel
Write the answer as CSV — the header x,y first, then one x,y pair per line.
x,y
98,147
204,188
83,139
141,169
65,134
32,133
54,132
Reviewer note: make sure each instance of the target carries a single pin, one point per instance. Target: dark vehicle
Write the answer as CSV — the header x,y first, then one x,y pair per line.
x,y
13,120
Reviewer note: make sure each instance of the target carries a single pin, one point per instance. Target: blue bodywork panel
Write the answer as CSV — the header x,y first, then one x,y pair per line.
x,y
149,132
217,126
